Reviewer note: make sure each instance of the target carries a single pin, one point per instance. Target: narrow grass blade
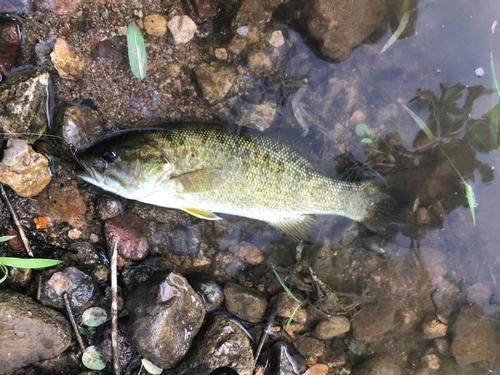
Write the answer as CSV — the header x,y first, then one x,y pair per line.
x,y
318,310
6,238
402,24
494,116
495,83
137,56
28,263
5,273
420,123
286,288
291,317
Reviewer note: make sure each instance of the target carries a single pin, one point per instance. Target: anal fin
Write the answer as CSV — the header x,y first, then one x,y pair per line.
x,y
202,214
298,227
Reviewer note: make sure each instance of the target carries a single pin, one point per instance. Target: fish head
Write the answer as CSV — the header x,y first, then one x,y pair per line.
x,y
126,165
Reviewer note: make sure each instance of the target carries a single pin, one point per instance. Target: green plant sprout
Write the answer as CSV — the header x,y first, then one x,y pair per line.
x,y
22,263
362,130
299,302
468,189
298,251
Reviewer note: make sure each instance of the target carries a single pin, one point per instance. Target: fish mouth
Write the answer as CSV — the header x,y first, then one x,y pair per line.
x,y
88,174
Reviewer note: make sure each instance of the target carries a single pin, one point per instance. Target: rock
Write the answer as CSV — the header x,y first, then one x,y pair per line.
x,y
42,53
15,6
182,29
286,305
259,62
155,24
109,207
434,327
443,346
212,294
374,320
237,44
221,53
332,327
258,116
30,332
24,170
129,233
104,48
385,365
473,337
246,303
431,361
79,125
68,65
24,101
20,276
165,314
317,370
74,234
223,344
10,44
61,6
207,8
82,290
276,39
338,29
247,252
310,346
124,348
63,205
285,360
215,80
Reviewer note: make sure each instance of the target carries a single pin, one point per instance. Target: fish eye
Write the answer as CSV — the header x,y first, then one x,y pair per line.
x,y
108,157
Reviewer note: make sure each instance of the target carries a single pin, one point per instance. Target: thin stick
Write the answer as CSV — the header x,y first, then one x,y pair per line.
x,y
39,290
72,321
267,328
114,310
16,220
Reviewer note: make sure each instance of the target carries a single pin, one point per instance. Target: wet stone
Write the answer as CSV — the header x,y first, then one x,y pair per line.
x,y
109,207
434,327
82,290
212,294
15,6
310,346
30,332
165,314
61,6
215,80
24,100
20,276
246,303
223,344
63,205
24,170
207,8
155,24
332,327
182,29
79,125
473,337
286,305
374,320
129,233
248,253
68,65
10,44
285,360
384,365
258,116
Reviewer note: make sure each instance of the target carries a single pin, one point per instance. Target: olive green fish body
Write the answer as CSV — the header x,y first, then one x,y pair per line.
x,y
204,169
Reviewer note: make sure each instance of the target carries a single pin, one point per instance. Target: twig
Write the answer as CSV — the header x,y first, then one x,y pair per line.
x,y
18,224
267,328
72,321
114,310
39,290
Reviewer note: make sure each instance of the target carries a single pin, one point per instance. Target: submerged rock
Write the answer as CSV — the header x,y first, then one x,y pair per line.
x,y
284,360
211,293
30,332
434,326
286,305
215,80
68,65
10,44
165,314
384,365
25,103
24,170
82,290
224,344
374,320
329,328
79,125
246,303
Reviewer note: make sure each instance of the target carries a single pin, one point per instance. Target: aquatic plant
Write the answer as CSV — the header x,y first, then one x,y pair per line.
x,y
494,119
363,131
137,56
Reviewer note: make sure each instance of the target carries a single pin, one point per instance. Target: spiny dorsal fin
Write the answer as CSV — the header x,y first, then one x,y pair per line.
x,y
298,227
202,214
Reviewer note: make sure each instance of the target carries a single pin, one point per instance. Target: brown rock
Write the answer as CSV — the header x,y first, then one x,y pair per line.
x,y
374,319
215,80
24,170
248,253
207,8
384,365
129,234
67,64
237,44
155,24
246,303
286,305
434,327
331,327
64,205
317,370
61,6
10,43
310,346
79,125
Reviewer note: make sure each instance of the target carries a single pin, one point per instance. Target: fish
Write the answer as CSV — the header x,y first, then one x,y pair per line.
x,y
208,169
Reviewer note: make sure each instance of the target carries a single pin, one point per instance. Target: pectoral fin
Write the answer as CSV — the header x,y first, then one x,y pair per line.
x,y
202,214
195,181
298,227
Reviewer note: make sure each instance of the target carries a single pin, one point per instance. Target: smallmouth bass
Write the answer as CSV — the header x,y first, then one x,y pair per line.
x,y
205,169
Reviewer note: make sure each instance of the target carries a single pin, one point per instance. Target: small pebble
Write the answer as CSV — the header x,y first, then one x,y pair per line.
x,y
182,29
431,361
155,24
221,53
74,234
94,238
276,39
479,72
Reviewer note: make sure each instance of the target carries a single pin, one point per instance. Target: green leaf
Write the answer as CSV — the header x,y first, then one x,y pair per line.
x,y
291,317
495,83
94,317
137,56
6,238
361,129
83,331
298,251
420,123
5,273
472,201
29,263
286,288
93,359
365,140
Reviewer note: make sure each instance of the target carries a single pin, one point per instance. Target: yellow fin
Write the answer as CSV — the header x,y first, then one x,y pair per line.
x,y
202,214
299,227
195,181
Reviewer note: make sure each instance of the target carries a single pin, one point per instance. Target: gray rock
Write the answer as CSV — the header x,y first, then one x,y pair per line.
x,y
25,102
258,116
473,337
246,303
332,327
29,331
109,207
79,125
385,365
82,290
374,320
215,80
285,360
182,29
224,344
165,315
212,294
